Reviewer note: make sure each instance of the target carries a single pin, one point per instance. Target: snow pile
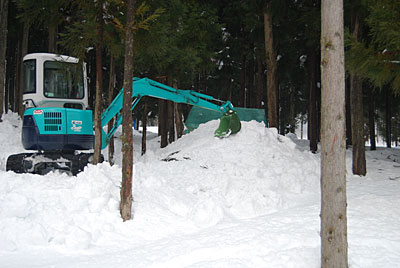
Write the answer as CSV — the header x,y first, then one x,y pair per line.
x,y
198,179
204,178
58,209
10,137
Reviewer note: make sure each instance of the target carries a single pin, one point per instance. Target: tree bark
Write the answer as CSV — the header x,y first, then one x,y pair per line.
x,y
18,79
260,74
178,120
24,50
171,122
371,115
312,110
357,127
272,83
127,133
99,88
3,49
388,119
110,99
357,117
250,81
349,138
242,101
144,122
333,143
162,122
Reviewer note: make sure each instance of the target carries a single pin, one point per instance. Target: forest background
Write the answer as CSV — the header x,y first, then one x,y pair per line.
x,y
258,54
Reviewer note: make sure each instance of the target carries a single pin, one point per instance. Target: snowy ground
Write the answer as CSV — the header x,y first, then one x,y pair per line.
x,y
248,201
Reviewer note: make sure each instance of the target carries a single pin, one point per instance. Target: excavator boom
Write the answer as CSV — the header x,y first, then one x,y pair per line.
x,y
141,87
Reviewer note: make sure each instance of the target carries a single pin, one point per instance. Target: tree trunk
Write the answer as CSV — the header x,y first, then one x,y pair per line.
x,y
3,49
99,88
357,127
17,69
272,84
260,74
357,117
242,101
162,121
349,138
250,80
110,99
333,143
312,110
292,115
24,50
171,122
127,133
179,120
388,119
144,122
371,115
53,31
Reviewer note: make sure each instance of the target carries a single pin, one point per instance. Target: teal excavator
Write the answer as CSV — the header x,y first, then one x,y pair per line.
x,y
58,125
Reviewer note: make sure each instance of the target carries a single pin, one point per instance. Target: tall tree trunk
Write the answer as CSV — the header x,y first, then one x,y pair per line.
x,y
333,142
127,133
357,127
162,122
250,80
99,88
260,74
312,110
388,119
53,31
292,115
171,116
179,120
371,117
17,69
3,49
171,122
110,99
242,101
272,84
178,116
349,138
24,50
144,122
357,116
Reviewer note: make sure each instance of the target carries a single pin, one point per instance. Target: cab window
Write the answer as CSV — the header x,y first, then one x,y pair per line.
x,y
29,85
63,80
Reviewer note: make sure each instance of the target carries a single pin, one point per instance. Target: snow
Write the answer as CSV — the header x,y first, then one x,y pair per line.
x,y
251,200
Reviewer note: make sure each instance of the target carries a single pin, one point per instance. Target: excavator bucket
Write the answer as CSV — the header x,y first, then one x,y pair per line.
x,y
229,124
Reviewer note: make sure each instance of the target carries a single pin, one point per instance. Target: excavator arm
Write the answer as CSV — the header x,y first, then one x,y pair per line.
x,y
141,87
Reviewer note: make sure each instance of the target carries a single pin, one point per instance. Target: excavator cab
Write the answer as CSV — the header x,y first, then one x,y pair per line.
x,y
52,80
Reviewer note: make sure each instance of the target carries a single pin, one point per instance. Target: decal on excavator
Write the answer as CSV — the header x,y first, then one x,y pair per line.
x,y
76,125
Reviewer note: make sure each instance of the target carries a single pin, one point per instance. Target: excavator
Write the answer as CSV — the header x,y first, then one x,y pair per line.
x,y
58,124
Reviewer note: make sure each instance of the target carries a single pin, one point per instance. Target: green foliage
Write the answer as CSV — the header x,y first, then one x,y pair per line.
x,y
44,12
180,40
377,57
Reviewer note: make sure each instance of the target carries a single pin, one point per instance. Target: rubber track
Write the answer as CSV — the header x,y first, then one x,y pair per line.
x,y
20,163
